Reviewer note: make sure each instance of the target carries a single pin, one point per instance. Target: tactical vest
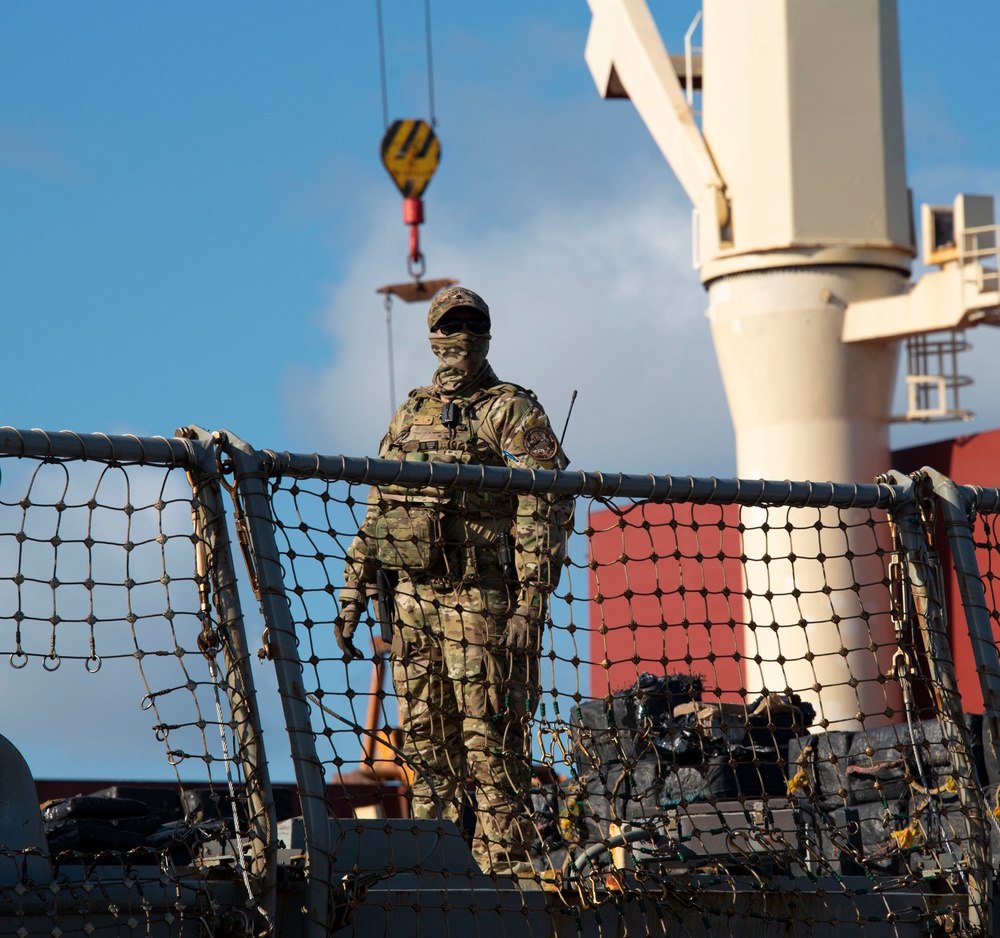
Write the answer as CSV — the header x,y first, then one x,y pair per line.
x,y
428,432
432,434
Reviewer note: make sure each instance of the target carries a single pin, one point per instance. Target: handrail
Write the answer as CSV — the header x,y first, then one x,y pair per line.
x,y
172,452
688,58
757,492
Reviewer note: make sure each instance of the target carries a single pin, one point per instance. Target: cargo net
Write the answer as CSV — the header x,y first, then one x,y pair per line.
x,y
100,621
986,535
717,719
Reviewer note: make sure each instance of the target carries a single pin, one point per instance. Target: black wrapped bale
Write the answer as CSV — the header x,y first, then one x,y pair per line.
x,y
881,763
710,830
605,732
162,803
207,804
859,839
93,806
90,835
746,749
545,812
185,841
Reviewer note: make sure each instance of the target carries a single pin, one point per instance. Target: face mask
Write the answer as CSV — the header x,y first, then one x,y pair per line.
x,y
459,358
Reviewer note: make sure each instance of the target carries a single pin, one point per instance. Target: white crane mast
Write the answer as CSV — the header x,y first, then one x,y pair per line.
x,y
798,182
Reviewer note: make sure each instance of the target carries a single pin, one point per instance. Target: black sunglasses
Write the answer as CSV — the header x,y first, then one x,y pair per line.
x,y
455,326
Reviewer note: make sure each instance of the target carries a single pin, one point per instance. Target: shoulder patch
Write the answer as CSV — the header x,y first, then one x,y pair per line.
x,y
540,442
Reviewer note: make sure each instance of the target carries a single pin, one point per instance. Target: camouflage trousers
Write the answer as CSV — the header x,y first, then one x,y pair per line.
x,y
466,707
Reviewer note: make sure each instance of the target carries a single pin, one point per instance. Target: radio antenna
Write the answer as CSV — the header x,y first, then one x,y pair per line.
x,y
569,414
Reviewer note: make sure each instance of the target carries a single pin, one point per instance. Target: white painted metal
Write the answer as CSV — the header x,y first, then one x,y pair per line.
x,y
799,188
805,406
933,379
933,304
964,240
624,47
802,113
689,59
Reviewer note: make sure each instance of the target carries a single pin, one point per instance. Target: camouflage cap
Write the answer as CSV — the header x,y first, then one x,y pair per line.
x,y
454,298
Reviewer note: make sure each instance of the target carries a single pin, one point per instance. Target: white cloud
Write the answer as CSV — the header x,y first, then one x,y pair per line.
x,y
595,294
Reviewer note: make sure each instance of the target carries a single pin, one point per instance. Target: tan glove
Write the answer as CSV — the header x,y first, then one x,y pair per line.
x,y
344,627
523,633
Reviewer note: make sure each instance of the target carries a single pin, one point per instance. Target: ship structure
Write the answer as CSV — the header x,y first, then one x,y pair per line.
x,y
767,705
804,237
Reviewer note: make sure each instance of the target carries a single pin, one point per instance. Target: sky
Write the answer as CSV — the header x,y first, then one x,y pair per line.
x,y
194,219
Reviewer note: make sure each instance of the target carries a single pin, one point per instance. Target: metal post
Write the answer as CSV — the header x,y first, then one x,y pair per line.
x,y
958,527
930,611
249,476
215,560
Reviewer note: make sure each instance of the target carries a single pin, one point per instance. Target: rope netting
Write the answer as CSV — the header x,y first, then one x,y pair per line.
x,y
729,705
117,697
571,703
986,539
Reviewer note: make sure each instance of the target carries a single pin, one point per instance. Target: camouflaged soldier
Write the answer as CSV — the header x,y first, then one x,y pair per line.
x,y
474,571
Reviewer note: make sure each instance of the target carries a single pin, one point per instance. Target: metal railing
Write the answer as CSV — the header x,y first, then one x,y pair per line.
x,y
710,745
979,258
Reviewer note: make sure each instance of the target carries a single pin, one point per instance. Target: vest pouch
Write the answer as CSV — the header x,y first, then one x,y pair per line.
x,y
408,538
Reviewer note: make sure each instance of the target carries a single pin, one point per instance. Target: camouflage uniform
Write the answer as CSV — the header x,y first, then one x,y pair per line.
x,y
469,563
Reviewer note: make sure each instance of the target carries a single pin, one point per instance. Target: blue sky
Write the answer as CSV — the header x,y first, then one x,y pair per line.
x,y
195,217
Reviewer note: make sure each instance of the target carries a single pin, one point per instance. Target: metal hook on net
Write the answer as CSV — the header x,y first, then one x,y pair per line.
x,y
93,664
54,658
18,660
209,640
